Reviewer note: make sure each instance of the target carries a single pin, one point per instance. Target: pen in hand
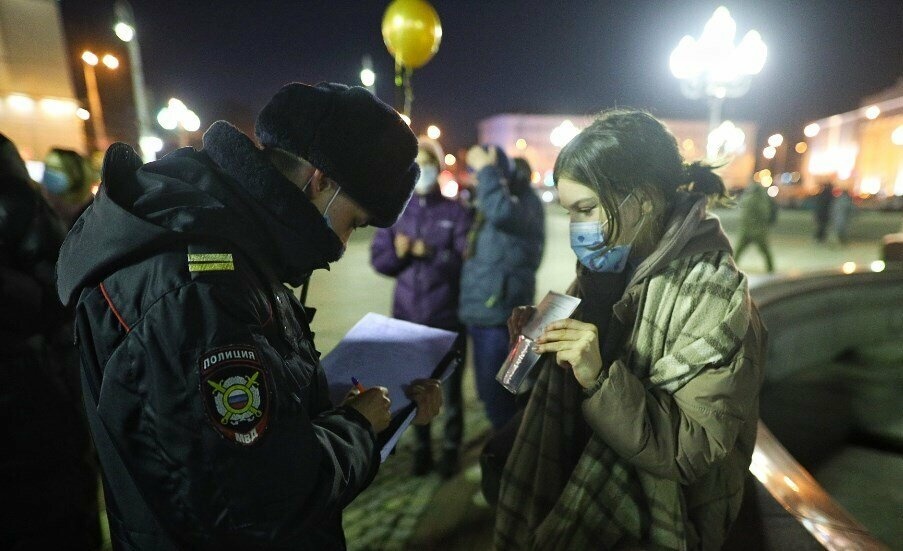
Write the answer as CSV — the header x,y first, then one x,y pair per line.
x,y
357,384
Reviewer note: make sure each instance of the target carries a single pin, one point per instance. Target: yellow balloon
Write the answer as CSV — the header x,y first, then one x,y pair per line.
x,y
412,32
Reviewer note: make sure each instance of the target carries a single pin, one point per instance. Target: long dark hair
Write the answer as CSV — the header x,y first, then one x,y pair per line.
x,y
628,151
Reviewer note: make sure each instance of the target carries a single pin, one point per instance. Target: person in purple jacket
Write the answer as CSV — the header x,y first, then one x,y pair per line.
x,y
424,252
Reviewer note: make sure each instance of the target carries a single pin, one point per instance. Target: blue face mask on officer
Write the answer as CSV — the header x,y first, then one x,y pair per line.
x,y
589,243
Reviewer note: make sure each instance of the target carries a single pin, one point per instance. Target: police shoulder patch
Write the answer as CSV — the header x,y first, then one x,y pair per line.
x,y
234,387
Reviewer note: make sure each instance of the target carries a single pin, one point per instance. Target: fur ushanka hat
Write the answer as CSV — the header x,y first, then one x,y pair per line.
x,y
354,138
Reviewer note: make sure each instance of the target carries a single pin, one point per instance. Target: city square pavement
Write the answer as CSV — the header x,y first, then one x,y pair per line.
x,y
403,512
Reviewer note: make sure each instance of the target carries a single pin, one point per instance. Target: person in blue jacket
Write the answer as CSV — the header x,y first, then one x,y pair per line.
x,y
499,274
203,388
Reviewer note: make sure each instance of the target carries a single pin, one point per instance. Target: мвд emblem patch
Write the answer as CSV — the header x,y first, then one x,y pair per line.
x,y
236,396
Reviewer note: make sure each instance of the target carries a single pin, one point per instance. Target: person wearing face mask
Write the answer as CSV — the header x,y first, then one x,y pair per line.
x,y
642,422
424,251
202,385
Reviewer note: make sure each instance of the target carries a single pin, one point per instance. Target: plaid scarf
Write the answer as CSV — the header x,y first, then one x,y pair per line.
x,y
563,486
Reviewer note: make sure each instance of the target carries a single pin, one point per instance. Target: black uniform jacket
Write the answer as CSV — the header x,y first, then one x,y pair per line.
x,y
204,391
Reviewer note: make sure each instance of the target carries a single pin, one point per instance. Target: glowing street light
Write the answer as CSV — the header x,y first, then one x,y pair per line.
x,y
433,132
191,122
124,31
111,61
167,120
450,159
91,60
521,144
563,133
801,147
716,68
82,113
58,107
728,139
151,143
449,189
872,112
775,140
769,152
811,130
20,103
896,137
368,75
176,114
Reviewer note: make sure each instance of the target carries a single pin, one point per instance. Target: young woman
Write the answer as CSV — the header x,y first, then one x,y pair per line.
x,y
642,422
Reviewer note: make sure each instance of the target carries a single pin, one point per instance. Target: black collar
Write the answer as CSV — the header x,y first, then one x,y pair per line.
x,y
304,241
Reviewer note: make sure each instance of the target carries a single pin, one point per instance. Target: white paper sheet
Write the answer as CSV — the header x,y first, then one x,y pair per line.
x,y
382,351
553,307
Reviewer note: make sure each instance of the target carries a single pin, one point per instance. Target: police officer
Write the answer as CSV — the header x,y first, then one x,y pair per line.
x,y
202,385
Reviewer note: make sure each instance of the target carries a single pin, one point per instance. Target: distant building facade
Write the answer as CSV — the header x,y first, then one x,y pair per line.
x,y
860,150
37,101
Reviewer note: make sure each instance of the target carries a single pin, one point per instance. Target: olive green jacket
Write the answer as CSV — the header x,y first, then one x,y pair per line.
x,y
672,420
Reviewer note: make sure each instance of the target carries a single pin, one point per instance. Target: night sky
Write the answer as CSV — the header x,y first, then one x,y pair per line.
x,y
225,58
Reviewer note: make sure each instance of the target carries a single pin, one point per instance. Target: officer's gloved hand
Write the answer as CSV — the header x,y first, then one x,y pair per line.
x,y
427,394
373,404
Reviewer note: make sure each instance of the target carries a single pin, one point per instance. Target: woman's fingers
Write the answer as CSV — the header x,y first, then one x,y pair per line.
x,y
563,335
567,358
571,324
554,346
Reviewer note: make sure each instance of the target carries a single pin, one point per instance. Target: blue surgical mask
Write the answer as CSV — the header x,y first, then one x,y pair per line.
x,y
588,242
55,181
427,180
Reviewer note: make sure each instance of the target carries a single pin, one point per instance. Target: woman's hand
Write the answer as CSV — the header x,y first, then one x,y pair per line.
x,y
576,347
520,316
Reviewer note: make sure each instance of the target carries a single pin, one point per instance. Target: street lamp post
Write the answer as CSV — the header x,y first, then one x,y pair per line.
x,y
90,60
714,67
125,30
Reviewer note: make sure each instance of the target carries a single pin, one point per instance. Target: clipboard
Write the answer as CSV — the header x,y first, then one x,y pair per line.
x,y
383,351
